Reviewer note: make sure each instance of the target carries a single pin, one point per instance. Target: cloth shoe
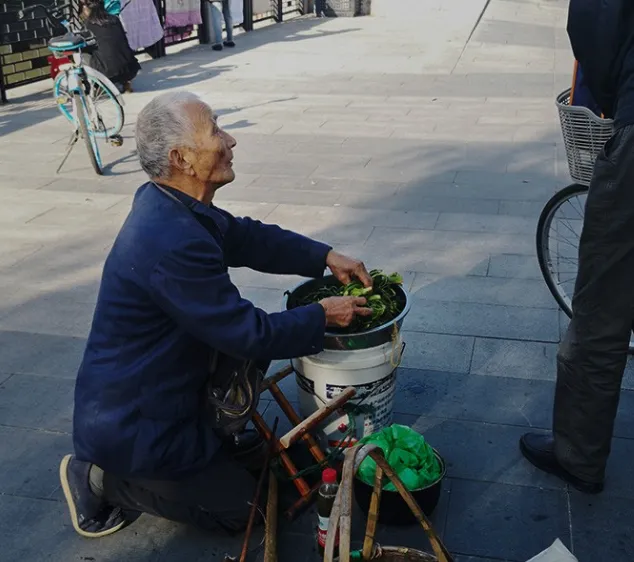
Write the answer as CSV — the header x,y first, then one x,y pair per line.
x,y
92,517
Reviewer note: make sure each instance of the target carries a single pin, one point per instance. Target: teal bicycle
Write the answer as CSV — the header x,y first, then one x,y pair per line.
x,y
88,99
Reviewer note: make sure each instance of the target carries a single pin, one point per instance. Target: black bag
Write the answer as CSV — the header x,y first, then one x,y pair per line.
x,y
233,393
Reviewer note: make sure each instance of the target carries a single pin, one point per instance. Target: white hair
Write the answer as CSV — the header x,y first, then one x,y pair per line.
x,y
162,125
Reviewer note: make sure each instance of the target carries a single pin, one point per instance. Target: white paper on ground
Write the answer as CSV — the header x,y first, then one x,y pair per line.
x,y
556,553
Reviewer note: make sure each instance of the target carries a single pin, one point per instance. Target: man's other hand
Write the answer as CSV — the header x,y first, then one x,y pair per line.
x,y
341,311
346,269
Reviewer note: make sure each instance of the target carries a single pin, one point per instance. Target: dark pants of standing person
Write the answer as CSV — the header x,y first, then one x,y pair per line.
x,y
320,7
593,353
214,499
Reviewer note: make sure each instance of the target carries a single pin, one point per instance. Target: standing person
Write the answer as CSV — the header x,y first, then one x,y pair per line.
x,y
320,6
113,56
217,11
593,353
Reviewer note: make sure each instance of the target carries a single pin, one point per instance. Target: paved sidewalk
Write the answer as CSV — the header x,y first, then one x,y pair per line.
x,y
395,141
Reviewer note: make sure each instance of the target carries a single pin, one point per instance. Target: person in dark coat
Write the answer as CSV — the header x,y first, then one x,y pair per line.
x,y
593,353
166,303
113,55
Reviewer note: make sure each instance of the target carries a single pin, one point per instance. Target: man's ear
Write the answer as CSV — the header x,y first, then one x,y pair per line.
x,y
179,159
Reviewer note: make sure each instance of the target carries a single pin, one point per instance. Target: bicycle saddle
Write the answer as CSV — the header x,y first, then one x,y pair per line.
x,y
68,42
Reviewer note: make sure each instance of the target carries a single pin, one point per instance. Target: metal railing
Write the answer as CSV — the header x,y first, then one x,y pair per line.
x,y
24,55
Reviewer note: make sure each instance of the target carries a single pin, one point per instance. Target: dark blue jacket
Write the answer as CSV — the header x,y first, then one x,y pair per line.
x,y
165,299
601,34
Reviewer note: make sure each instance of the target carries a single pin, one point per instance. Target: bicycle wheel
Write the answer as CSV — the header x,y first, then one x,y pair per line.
x,y
87,132
103,103
558,232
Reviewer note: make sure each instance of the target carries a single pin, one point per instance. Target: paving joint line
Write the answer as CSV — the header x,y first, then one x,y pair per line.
x,y
481,422
500,338
24,497
35,429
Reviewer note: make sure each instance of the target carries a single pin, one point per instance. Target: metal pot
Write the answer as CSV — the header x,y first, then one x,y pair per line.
x,y
339,339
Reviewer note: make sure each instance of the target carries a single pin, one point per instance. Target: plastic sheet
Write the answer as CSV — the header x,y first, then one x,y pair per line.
x,y
407,453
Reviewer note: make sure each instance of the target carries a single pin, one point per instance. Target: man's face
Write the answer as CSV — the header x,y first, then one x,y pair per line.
x,y
211,160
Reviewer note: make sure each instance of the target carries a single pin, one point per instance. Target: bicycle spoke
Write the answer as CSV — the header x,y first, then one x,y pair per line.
x,y
568,280
565,240
574,232
578,211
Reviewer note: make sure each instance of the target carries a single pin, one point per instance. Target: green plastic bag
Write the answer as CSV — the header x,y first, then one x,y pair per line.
x,y
407,452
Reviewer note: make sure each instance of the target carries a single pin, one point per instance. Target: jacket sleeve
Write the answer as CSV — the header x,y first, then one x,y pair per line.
x,y
271,249
191,285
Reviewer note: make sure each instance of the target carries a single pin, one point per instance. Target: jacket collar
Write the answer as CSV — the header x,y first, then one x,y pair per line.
x,y
187,200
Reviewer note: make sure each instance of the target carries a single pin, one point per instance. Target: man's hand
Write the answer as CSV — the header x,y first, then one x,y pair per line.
x,y
346,269
341,311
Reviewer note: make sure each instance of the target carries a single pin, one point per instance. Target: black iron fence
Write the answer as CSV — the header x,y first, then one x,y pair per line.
x,y
24,54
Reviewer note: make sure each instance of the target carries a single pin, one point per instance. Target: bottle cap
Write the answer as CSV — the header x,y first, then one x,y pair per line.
x,y
329,476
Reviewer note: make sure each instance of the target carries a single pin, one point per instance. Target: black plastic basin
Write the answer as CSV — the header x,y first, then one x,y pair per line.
x,y
392,509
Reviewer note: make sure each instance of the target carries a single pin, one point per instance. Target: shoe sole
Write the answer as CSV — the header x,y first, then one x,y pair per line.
x,y
72,508
554,472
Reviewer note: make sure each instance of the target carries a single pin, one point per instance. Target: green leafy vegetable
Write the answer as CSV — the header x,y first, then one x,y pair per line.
x,y
383,299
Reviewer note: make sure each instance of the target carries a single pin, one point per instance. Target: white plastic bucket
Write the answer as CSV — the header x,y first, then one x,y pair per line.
x,y
372,372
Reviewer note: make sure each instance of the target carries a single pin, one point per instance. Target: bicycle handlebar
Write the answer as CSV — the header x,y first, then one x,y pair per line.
x,y
51,14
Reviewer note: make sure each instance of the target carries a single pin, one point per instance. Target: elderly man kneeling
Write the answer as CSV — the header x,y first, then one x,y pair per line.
x,y
142,435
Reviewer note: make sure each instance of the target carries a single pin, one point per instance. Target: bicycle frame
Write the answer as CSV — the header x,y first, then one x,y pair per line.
x,y
77,67
76,70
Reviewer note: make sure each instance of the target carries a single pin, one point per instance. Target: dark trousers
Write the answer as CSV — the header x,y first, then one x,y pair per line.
x,y
593,353
320,6
215,499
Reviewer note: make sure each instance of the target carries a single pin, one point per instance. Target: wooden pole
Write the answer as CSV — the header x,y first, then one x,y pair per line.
x,y
302,487
311,421
258,492
270,532
439,548
294,418
302,503
276,378
373,514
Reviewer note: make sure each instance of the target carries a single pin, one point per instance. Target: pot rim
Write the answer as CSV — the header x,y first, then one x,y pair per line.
x,y
443,473
395,321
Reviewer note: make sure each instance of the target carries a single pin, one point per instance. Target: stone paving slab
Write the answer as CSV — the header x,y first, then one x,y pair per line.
x,y
505,522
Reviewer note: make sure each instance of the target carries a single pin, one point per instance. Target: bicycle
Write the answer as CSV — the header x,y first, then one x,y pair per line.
x,y
80,90
561,220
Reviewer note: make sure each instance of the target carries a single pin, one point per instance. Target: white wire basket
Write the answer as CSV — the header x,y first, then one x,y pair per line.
x,y
584,136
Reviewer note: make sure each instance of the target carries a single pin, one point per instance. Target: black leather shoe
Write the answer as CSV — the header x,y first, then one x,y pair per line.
x,y
539,450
